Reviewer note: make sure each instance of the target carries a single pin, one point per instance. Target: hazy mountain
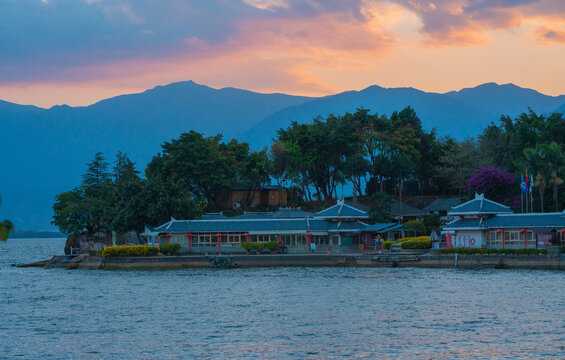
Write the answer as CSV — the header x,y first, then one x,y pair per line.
x,y
458,113
44,151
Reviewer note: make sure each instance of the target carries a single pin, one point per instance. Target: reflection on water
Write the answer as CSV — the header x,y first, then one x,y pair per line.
x,y
314,313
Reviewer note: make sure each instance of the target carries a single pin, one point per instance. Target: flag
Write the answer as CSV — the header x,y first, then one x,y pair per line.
x,y
531,183
527,182
523,186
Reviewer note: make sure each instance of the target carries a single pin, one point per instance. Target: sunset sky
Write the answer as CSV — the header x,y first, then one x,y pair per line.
x,y
80,51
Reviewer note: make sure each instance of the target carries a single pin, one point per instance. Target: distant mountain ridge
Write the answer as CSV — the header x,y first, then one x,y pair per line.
x,y
45,150
457,113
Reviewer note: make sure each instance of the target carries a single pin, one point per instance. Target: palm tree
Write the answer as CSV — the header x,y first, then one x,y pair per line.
x,y
554,161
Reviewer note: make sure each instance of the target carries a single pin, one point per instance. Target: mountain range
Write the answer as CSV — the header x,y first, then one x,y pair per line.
x,y
44,151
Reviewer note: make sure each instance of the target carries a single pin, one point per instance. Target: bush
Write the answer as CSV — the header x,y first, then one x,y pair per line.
x,y
410,238
170,249
473,251
137,250
93,252
246,246
417,244
416,225
253,246
388,244
272,246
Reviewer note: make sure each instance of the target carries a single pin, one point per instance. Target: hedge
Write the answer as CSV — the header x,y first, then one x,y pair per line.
x,y
416,244
387,244
255,246
170,249
473,251
136,250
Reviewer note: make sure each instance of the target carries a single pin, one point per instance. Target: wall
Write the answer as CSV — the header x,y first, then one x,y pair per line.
x,y
468,239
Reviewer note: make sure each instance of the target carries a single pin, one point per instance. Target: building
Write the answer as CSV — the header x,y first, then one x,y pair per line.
x,y
339,227
402,212
266,196
483,223
440,207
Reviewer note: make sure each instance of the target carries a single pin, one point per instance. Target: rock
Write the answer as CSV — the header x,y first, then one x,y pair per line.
x,y
83,242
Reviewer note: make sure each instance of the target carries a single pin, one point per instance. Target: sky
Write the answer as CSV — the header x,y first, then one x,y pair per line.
x,y
78,52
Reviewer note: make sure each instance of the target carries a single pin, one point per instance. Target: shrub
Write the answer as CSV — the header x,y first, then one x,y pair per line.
x,y
410,238
136,250
472,251
416,225
272,246
170,249
93,252
388,244
253,246
417,244
246,246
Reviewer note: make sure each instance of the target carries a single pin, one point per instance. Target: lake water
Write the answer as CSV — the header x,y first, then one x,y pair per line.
x,y
319,313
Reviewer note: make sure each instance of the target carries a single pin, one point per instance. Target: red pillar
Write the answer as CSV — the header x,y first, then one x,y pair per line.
x,y
503,238
189,242
169,238
309,236
219,237
247,237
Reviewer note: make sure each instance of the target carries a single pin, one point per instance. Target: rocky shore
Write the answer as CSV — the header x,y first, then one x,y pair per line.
x,y
430,260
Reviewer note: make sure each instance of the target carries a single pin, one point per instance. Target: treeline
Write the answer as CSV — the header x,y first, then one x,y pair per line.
x,y
379,157
192,174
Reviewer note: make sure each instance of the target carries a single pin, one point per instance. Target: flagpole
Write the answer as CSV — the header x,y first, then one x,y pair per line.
x,y
521,194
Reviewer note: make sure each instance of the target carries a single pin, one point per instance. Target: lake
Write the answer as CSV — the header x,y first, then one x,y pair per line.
x,y
318,313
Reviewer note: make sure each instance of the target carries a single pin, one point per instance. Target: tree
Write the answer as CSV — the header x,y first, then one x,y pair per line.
x,y
380,207
6,227
416,225
96,174
196,162
279,157
124,169
459,161
495,183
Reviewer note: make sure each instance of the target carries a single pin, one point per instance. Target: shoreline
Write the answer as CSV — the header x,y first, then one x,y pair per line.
x,y
85,261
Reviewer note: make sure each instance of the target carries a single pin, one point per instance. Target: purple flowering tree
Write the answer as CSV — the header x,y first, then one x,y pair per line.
x,y
497,184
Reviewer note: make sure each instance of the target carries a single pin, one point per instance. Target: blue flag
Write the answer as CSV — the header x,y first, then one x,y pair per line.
x,y
523,185
531,182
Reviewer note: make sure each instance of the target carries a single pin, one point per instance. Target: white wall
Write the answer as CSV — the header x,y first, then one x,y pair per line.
x,y
468,239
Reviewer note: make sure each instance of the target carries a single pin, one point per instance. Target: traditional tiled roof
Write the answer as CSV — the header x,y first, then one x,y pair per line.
x,y
442,204
213,216
348,226
286,213
297,225
544,220
254,215
466,224
379,227
342,210
479,205
510,221
405,210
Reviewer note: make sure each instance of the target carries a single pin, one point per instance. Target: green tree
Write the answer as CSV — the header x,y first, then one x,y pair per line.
x,y
196,162
417,226
380,207
280,159
6,227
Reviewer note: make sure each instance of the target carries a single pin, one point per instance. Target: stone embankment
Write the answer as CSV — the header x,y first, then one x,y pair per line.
x,y
307,260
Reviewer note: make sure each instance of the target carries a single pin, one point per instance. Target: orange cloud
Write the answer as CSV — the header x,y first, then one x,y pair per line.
x,y
548,35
